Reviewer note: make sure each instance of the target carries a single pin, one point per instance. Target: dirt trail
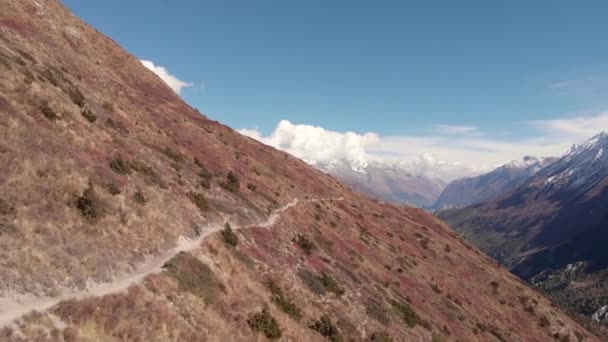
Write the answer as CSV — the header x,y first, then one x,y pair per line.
x,y
13,308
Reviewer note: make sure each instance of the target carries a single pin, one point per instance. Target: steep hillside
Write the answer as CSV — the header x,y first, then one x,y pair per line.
x,y
388,183
126,215
463,192
551,225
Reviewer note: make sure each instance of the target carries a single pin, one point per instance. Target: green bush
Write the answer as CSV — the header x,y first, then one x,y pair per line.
x,y
230,238
7,210
305,244
231,183
380,336
544,322
76,96
193,276
331,284
264,323
47,111
108,106
120,166
376,310
199,200
139,198
285,304
326,328
89,115
407,314
112,188
88,205
204,174
173,154
311,281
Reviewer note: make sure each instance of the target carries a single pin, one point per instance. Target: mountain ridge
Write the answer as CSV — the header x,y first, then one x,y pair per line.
x,y
549,224
466,191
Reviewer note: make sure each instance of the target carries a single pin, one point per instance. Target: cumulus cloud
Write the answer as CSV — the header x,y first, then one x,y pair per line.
x,y
464,152
173,82
316,144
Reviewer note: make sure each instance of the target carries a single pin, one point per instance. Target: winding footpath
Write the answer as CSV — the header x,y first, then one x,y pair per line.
x,y
12,309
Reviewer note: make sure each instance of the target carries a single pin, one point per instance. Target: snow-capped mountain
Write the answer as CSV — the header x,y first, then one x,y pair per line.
x,y
557,218
580,169
466,191
389,182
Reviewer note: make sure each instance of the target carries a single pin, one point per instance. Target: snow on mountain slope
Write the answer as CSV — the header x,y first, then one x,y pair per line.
x,y
466,191
552,221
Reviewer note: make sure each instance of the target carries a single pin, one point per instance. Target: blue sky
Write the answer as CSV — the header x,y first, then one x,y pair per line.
x,y
395,68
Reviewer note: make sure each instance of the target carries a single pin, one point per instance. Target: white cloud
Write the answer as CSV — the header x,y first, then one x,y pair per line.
x,y
573,128
466,152
455,129
173,82
314,143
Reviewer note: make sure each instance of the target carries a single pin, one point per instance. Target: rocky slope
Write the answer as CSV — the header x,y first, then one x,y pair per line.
x,y
104,172
554,221
388,183
463,192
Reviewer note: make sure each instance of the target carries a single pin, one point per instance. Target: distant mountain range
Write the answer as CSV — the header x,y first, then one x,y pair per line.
x,y
552,229
466,191
391,183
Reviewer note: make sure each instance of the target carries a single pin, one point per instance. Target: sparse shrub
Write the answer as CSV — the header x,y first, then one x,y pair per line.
x,y
112,188
76,96
317,217
447,248
407,314
425,242
494,331
231,183
494,284
311,281
52,75
29,77
530,310
377,311
230,238
252,187
199,200
204,175
193,276
108,106
305,244
425,324
47,111
326,328
89,115
120,166
139,198
380,336
331,284
7,210
89,205
285,304
435,288
437,338
173,154
264,323
117,126
244,258
544,322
